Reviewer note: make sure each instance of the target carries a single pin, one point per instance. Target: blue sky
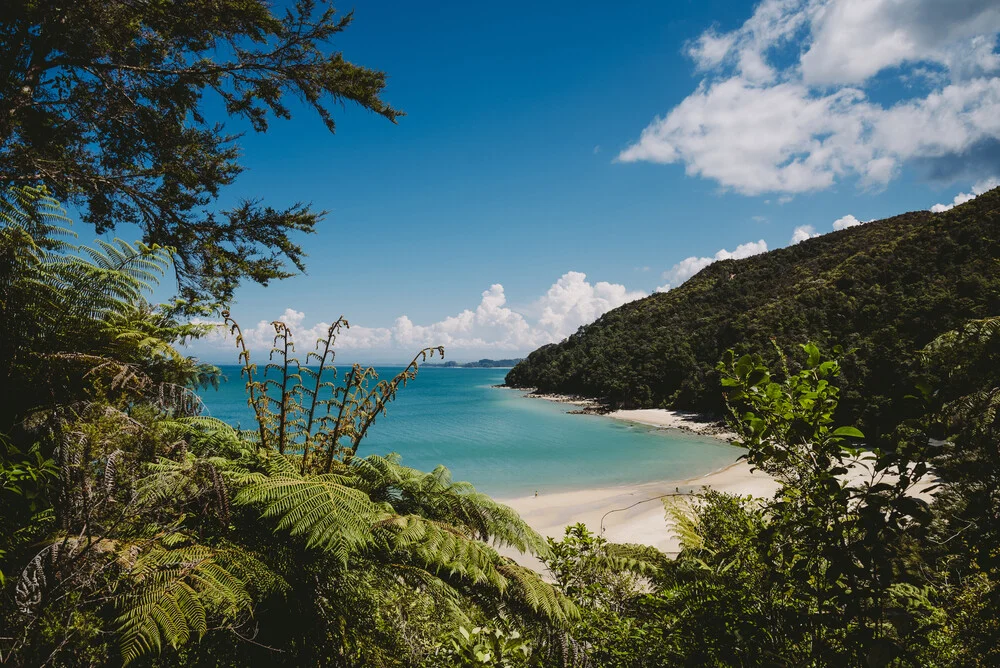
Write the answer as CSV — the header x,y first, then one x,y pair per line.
x,y
558,159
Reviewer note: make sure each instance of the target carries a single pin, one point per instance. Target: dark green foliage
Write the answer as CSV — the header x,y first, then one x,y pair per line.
x,y
881,290
77,313
720,605
842,567
610,585
965,539
840,525
108,102
481,646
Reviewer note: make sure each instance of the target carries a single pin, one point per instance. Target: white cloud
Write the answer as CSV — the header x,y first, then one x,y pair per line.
x,y
803,232
853,40
493,326
759,139
761,124
773,23
710,48
572,302
690,266
961,198
844,222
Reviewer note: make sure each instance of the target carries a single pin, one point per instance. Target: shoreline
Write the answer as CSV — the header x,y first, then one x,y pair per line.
x,y
634,513
664,418
630,513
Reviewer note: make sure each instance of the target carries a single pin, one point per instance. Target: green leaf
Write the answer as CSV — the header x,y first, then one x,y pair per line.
x,y
812,353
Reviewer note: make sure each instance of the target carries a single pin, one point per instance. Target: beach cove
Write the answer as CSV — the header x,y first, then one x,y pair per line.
x,y
635,513
510,446
608,471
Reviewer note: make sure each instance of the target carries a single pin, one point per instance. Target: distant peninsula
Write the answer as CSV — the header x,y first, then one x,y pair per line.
x,y
481,364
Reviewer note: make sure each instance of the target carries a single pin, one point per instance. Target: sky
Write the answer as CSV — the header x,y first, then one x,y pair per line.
x,y
560,159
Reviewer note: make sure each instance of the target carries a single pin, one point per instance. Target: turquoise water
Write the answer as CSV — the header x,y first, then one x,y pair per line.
x,y
506,444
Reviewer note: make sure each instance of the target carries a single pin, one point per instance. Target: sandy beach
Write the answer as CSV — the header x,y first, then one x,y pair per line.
x,y
635,513
685,421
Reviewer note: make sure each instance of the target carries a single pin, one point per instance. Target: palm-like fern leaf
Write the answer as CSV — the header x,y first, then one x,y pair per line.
x,y
172,594
331,515
447,552
434,495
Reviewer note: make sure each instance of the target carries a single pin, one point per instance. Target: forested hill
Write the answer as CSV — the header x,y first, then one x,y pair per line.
x,y
885,288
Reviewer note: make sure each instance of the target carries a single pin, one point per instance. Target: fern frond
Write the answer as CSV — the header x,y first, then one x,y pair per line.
x,y
528,588
435,496
331,515
171,593
683,522
441,547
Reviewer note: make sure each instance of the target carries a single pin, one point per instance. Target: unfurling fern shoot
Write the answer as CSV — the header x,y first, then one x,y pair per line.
x,y
294,416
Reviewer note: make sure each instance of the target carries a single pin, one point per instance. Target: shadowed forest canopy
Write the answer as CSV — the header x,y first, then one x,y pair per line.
x,y
106,103
881,290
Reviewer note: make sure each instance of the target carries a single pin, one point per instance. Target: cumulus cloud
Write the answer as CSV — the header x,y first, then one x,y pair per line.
x,y
844,222
758,123
690,266
853,40
572,302
710,48
801,233
961,198
492,326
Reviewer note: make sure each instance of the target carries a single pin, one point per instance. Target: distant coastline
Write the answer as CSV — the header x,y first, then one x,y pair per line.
x,y
481,364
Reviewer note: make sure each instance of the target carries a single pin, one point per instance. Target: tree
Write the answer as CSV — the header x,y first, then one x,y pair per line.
x,y
965,407
106,103
840,525
79,315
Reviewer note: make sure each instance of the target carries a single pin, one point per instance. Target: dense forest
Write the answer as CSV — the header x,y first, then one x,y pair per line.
x,y
134,530
882,291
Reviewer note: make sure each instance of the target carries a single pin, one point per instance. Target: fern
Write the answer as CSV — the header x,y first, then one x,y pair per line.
x,y
435,496
330,514
171,595
683,521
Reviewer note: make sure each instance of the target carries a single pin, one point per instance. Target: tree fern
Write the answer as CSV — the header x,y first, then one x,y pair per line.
x,y
434,495
172,593
39,220
328,513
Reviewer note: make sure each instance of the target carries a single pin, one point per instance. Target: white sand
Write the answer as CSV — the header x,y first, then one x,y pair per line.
x,y
633,514
661,417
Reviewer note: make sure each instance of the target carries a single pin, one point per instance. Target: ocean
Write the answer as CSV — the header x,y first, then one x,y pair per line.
x,y
505,444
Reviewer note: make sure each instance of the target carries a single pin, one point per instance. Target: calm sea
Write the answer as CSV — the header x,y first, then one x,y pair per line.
x,y
506,444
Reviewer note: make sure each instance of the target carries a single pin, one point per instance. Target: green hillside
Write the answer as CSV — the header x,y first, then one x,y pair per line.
x,y
884,289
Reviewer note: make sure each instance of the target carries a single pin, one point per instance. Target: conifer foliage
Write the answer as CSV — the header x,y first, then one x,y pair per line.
x,y
121,107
